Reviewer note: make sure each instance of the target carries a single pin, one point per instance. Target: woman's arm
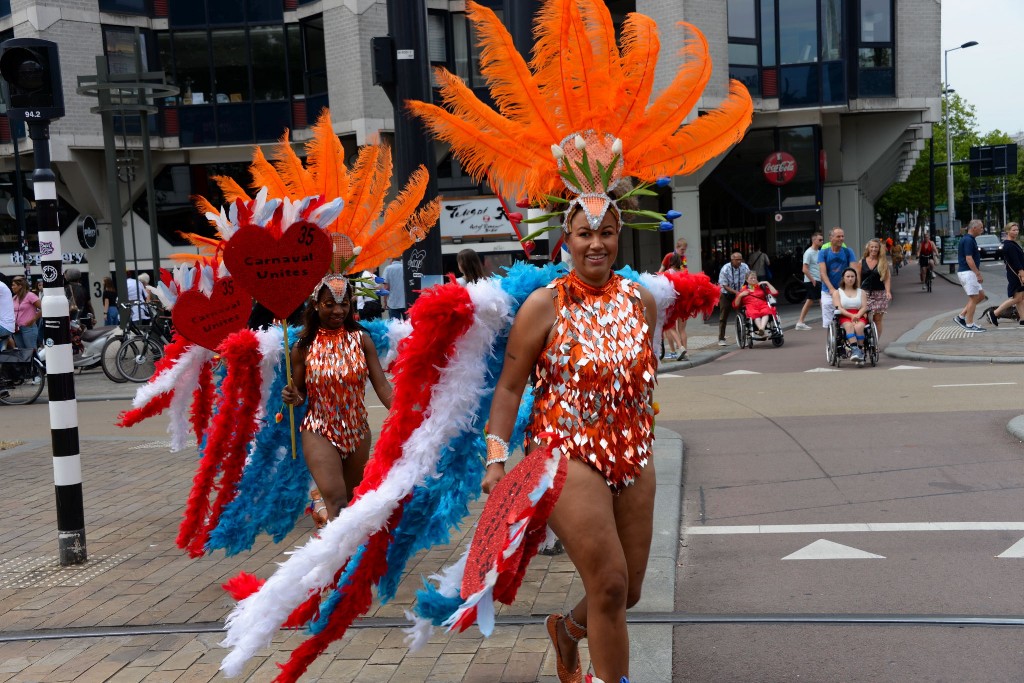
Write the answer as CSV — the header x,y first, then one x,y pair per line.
x,y
863,305
380,383
295,392
526,341
771,288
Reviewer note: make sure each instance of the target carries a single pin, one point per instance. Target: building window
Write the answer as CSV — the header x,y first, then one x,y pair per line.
x,y
798,31
270,80
876,68
185,13
141,7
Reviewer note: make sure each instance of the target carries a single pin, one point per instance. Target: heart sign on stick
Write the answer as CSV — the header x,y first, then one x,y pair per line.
x,y
207,321
279,272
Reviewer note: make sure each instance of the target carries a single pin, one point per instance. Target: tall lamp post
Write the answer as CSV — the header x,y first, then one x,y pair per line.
x,y
951,204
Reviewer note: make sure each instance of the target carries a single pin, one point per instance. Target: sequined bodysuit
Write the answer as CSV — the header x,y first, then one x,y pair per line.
x,y
336,384
595,379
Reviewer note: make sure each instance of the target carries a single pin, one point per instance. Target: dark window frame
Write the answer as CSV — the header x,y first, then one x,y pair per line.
x,y
860,73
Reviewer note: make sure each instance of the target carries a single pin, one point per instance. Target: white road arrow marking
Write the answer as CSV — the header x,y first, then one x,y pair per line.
x,y
1016,550
823,370
907,367
741,372
827,550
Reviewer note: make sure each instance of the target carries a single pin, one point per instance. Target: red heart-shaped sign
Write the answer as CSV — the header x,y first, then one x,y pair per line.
x,y
279,273
206,321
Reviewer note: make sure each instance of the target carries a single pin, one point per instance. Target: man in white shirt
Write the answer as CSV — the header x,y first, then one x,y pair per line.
x,y
811,275
137,292
6,316
730,281
394,281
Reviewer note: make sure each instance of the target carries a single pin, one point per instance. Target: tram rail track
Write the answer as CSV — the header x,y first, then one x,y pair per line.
x,y
647,618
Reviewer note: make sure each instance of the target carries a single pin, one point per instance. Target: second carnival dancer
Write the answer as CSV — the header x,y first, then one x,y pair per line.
x,y
572,125
330,365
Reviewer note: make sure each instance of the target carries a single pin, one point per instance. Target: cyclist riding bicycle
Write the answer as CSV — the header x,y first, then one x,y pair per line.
x,y
926,256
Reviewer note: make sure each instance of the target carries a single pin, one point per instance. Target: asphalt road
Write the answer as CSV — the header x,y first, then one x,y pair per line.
x,y
915,456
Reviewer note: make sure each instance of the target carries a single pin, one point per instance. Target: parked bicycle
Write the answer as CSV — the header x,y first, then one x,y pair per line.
x,y
22,376
139,348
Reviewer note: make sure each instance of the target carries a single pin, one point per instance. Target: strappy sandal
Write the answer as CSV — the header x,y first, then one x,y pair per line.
x,y
575,633
317,509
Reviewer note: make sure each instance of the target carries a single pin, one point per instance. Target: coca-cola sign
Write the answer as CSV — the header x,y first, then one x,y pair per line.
x,y
779,168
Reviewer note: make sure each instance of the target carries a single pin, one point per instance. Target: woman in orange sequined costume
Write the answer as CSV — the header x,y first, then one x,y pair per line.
x,y
330,365
588,341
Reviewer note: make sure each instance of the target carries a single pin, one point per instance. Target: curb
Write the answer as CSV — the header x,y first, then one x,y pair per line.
x,y
898,348
1016,427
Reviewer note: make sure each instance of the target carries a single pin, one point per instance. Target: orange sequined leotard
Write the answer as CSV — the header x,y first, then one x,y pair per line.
x,y
335,385
595,379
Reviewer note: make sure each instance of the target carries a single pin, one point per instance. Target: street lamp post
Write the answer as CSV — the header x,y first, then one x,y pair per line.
x,y
950,203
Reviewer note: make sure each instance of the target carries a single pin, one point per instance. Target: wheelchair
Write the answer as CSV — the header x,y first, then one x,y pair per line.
x,y
838,348
745,330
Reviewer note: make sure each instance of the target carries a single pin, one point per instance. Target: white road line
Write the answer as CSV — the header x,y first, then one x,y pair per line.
x,y
859,527
986,384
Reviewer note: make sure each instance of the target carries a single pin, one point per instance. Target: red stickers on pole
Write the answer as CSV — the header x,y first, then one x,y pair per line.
x,y
207,321
280,273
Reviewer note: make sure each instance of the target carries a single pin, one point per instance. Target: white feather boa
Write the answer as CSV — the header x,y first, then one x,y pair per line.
x,y
271,342
453,401
181,378
397,331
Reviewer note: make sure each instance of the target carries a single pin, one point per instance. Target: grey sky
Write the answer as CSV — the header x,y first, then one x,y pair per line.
x,y
987,75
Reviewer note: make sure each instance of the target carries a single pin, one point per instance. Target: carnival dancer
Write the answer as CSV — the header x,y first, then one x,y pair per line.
x,y
330,365
572,125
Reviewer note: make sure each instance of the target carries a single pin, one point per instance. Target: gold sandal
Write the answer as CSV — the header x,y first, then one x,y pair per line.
x,y
317,509
575,633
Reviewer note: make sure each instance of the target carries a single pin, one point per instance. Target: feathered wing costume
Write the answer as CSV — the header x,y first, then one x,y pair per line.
x,y
569,126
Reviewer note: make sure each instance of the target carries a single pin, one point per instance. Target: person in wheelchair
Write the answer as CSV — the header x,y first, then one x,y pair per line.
x,y
753,302
851,307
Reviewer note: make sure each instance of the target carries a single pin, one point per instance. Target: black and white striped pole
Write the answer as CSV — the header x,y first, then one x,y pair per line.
x,y
32,88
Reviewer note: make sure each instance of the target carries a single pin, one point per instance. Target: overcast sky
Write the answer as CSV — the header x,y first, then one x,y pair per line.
x,y
989,75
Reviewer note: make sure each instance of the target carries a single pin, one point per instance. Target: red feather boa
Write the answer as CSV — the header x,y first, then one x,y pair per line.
x,y
695,295
161,402
202,400
231,430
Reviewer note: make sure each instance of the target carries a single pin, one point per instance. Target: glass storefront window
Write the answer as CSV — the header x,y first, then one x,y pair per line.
x,y
801,190
875,57
798,31
741,53
831,30
269,74
121,48
767,32
192,64
231,66
876,21
742,19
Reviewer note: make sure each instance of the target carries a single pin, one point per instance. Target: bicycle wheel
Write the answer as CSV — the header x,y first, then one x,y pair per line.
x,y
21,383
795,292
137,357
108,358
928,277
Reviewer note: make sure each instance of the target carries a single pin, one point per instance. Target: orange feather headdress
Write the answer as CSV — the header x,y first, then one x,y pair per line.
x,y
578,118
370,231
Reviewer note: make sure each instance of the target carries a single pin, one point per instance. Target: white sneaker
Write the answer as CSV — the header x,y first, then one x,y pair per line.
x,y
802,326
722,342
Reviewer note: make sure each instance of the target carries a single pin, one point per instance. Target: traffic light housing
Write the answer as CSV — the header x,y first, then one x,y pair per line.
x,y
30,69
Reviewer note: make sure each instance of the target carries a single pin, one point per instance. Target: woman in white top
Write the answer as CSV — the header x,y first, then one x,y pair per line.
x,y
852,304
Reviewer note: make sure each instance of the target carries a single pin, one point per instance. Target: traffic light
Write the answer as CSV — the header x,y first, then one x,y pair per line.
x,y
30,68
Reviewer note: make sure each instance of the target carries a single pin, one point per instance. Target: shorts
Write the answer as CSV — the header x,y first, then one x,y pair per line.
x,y
878,302
923,261
969,281
813,290
1014,286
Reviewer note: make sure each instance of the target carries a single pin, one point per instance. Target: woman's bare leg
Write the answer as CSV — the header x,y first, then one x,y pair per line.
x,y
325,464
632,514
354,464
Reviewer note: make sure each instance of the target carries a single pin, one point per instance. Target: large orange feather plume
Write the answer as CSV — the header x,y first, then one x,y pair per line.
x,y
579,80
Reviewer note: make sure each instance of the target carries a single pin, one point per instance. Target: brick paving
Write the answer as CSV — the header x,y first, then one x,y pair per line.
x,y
134,495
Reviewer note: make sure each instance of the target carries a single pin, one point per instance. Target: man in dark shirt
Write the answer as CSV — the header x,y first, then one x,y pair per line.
x,y
968,271
1013,258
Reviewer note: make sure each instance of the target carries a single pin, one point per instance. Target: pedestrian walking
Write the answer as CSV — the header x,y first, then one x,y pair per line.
x,y
812,278
680,251
367,306
730,280
27,311
675,336
968,271
137,296
832,261
470,267
330,365
109,302
394,281
7,323
876,281
1013,259
759,263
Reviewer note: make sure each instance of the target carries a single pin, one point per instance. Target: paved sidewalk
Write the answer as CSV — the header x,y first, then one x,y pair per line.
x,y
136,578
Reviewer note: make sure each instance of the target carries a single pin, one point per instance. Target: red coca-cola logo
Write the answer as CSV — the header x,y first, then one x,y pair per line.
x,y
779,168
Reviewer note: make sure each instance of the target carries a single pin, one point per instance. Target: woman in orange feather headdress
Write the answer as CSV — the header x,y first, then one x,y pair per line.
x,y
571,125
